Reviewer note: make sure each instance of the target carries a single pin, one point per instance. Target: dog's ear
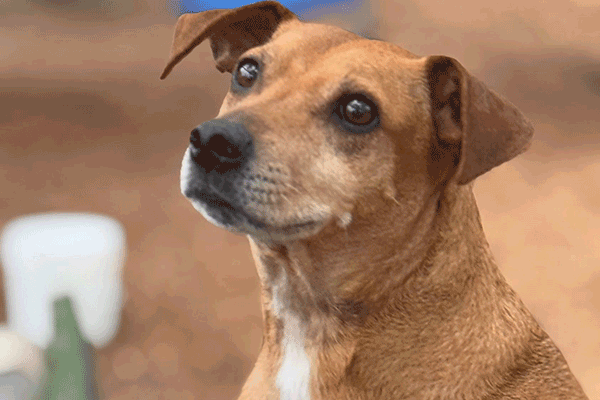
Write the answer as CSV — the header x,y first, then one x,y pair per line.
x,y
476,128
231,32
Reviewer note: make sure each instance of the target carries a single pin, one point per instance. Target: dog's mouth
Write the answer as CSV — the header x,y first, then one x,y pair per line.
x,y
224,214
229,202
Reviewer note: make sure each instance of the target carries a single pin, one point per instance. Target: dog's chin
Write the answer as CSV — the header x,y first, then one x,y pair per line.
x,y
238,221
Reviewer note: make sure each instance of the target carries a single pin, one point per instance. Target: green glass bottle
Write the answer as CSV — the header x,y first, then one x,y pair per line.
x,y
71,359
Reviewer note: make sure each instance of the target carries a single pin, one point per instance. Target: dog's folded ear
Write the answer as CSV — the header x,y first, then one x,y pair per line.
x,y
480,127
231,32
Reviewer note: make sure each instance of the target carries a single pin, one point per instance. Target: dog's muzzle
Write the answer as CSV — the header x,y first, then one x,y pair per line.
x,y
220,179
212,172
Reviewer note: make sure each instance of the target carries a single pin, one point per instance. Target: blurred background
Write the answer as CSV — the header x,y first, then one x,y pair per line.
x,y
86,125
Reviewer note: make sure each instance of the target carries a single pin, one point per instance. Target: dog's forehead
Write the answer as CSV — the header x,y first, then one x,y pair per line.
x,y
300,46
311,38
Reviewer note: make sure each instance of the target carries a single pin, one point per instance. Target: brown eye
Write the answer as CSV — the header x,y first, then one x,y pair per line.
x,y
246,73
357,112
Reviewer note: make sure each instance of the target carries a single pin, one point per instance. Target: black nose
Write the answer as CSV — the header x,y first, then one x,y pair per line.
x,y
221,145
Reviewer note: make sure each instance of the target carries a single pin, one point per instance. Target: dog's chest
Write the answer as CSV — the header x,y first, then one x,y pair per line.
x,y
293,376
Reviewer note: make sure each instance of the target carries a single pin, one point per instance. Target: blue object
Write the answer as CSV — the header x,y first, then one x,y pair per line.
x,y
296,6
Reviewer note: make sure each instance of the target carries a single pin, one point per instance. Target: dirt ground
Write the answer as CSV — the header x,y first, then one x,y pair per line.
x,y
86,125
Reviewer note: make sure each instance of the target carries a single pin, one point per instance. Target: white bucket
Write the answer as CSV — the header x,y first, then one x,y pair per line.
x,y
46,256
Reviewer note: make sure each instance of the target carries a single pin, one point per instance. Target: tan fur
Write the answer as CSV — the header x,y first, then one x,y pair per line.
x,y
394,285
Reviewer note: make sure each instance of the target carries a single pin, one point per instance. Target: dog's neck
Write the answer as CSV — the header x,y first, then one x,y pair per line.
x,y
313,280
319,313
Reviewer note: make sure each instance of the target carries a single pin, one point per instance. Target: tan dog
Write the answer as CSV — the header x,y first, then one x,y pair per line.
x,y
348,162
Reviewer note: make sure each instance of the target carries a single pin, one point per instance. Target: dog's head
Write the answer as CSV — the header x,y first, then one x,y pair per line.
x,y
321,125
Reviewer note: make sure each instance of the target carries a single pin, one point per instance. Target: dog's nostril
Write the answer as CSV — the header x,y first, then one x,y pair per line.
x,y
223,149
195,138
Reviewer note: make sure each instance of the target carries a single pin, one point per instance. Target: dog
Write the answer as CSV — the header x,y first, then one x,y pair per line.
x,y
349,164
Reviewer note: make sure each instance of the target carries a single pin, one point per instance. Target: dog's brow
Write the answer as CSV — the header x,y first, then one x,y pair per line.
x,y
351,86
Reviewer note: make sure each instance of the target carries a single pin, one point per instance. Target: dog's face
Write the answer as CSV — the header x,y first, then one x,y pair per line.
x,y
322,128
315,127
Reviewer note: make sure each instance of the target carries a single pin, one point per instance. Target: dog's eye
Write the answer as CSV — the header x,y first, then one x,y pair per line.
x,y
357,112
247,72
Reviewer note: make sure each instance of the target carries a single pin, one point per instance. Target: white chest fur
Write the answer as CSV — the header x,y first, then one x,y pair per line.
x,y
293,378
